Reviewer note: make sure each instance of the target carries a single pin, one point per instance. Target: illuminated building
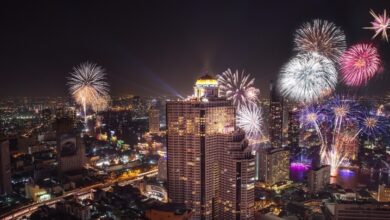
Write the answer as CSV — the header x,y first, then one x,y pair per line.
x,y
353,206
200,141
383,193
293,128
318,178
5,168
274,165
154,120
237,179
36,193
162,169
275,118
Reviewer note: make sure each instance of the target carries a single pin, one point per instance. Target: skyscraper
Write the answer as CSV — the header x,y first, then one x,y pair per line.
x,y
154,120
275,118
5,168
70,146
201,144
293,129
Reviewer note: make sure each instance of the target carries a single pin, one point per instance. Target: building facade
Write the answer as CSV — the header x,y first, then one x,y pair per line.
x,y
5,168
318,178
274,165
154,120
200,131
275,118
383,193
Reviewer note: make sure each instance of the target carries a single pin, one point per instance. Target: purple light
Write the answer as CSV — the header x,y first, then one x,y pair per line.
x,y
299,166
346,172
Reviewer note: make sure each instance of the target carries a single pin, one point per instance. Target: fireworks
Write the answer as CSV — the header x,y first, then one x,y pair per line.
x,y
372,125
307,78
322,37
334,158
87,85
100,104
238,87
359,64
380,24
249,118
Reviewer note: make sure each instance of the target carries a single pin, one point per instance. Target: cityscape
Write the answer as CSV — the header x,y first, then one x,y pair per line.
x,y
247,110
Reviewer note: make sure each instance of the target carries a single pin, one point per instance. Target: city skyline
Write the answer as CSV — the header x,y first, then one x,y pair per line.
x,y
151,48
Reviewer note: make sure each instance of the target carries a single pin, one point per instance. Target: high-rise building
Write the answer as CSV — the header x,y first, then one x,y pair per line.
x,y
154,120
70,146
318,178
162,169
237,179
383,193
293,128
275,118
274,165
201,144
5,168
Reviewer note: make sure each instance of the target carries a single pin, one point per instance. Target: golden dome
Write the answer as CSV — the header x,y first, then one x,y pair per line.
x,y
206,80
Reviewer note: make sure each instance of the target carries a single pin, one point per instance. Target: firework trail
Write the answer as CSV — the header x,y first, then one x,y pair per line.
x,y
238,87
307,78
87,84
249,118
359,64
322,37
101,104
380,24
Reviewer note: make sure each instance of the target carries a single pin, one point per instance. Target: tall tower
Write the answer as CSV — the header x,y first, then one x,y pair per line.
x,y
154,120
275,118
293,129
5,168
201,143
70,146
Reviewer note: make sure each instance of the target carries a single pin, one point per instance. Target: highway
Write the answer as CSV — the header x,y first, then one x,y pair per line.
x,y
30,208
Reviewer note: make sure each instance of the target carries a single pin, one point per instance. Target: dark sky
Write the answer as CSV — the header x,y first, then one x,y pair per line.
x,y
160,47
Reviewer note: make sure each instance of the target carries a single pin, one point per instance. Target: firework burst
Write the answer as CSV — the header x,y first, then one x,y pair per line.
x,y
322,37
359,64
238,87
87,85
380,24
100,104
250,119
307,78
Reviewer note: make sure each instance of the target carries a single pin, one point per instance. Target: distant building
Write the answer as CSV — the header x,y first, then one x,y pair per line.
x,y
168,212
274,165
201,144
154,120
74,208
318,178
162,169
275,118
70,147
36,193
5,168
383,193
343,207
293,129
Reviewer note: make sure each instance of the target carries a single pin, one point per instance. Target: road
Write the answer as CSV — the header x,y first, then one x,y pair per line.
x,y
29,209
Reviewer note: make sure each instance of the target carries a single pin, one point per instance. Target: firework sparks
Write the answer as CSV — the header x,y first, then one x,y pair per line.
x,y
322,37
249,118
307,78
238,87
380,24
334,158
359,64
100,104
371,125
87,84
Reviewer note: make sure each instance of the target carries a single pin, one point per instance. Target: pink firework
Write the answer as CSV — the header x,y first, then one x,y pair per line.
x,y
359,64
380,24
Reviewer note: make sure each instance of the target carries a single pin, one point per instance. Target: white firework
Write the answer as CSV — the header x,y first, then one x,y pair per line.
x,y
87,85
238,87
307,78
250,119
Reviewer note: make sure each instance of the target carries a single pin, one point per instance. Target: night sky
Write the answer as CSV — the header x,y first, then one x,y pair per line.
x,y
161,47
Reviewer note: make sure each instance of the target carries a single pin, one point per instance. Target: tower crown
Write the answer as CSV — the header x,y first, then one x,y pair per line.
x,y
206,86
